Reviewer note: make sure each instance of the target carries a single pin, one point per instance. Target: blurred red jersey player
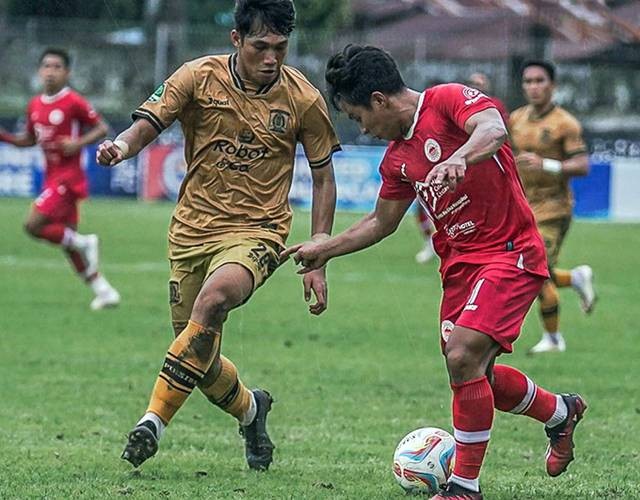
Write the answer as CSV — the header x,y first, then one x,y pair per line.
x,y
55,121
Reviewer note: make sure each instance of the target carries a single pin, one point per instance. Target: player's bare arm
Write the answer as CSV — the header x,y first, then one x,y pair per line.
x,y
322,214
21,140
372,228
71,146
128,144
486,134
575,166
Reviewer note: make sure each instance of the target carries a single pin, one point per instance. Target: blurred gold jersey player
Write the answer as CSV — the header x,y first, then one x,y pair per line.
x,y
242,115
550,150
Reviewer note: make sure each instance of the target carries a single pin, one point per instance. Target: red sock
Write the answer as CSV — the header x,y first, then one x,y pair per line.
x,y
472,420
514,392
53,233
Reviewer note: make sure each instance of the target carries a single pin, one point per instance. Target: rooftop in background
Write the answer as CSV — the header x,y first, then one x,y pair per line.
x,y
467,29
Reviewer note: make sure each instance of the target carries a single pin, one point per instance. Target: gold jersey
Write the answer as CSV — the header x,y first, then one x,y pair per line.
x,y
239,149
556,135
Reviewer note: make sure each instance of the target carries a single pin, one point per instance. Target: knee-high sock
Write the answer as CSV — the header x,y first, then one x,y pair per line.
x,y
472,421
224,389
514,392
549,307
188,359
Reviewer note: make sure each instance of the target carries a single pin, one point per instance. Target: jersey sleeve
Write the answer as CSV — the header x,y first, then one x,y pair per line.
x,y
459,102
393,186
85,113
317,135
168,101
572,143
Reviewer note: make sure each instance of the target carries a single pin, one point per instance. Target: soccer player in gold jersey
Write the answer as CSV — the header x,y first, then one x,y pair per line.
x,y
550,150
242,115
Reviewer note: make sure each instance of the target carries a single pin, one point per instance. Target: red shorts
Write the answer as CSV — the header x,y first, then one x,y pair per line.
x,y
490,298
59,204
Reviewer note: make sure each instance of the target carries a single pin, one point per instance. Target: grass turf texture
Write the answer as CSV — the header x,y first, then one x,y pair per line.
x,y
348,385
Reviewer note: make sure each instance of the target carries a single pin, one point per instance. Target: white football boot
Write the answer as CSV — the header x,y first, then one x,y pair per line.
x,y
582,282
549,343
426,254
106,295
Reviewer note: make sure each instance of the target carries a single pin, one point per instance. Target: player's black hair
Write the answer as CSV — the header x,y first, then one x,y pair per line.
x,y
548,66
61,53
357,71
278,16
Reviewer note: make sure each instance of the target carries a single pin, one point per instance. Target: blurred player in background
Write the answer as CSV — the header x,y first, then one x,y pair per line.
x,y
481,82
492,257
55,121
242,115
549,151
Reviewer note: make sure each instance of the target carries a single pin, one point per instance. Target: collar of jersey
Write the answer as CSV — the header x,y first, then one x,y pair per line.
x,y
540,117
409,134
48,99
237,80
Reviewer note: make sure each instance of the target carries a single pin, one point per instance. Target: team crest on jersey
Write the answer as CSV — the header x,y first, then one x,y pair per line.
x,y
432,150
56,117
545,136
155,97
445,329
278,121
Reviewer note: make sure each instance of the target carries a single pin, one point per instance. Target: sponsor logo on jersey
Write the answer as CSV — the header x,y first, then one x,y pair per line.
x,y
466,227
219,102
236,156
278,121
157,94
471,95
545,137
432,150
56,117
445,329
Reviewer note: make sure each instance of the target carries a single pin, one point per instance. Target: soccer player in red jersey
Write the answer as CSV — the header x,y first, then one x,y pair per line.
x,y
55,120
448,147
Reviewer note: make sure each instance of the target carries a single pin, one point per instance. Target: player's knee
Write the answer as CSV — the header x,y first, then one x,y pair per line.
x,y
31,229
213,305
462,364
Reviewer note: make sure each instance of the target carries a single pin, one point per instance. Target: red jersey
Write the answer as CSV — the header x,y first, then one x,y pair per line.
x,y
53,118
487,219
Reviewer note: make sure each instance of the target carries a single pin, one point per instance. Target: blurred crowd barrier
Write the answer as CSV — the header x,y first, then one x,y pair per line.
x,y
610,191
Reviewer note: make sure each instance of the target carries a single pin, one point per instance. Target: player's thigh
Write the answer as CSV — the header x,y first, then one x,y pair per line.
x,y
185,281
498,299
259,257
58,204
553,233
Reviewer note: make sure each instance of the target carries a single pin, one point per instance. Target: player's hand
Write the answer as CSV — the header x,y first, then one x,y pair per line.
x,y
449,173
310,255
316,282
69,146
109,154
529,161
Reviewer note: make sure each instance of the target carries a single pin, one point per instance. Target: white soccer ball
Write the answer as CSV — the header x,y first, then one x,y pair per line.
x,y
423,460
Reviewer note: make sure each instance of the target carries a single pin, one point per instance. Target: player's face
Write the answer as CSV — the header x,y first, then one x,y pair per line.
x,y
538,87
53,73
260,55
377,121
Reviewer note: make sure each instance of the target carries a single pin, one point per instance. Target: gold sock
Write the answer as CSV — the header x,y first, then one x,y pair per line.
x,y
549,307
562,278
188,359
224,389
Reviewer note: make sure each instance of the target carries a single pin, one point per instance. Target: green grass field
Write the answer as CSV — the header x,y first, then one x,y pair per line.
x,y
348,385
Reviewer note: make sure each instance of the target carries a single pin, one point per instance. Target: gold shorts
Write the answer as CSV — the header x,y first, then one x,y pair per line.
x,y
259,256
553,233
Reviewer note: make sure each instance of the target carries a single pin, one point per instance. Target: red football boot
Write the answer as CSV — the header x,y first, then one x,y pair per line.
x,y
560,449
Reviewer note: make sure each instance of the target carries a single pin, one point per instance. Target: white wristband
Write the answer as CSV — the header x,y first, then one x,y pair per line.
x,y
552,166
123,146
